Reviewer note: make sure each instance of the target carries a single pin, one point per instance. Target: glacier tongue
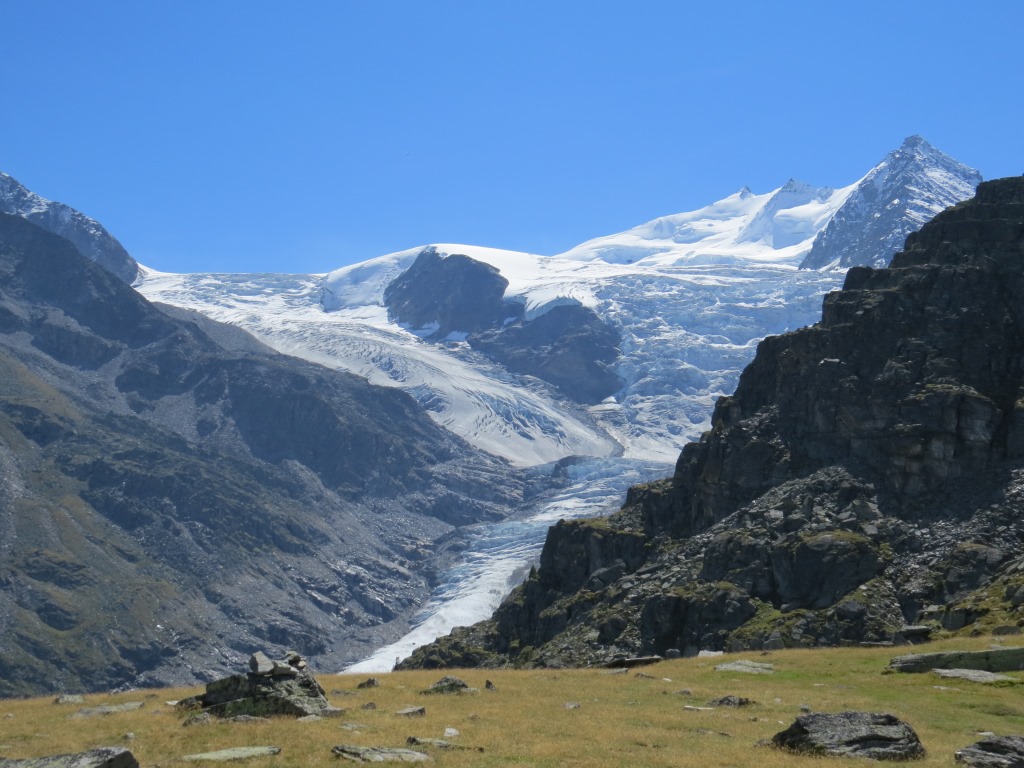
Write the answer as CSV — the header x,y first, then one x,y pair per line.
x,y
499,554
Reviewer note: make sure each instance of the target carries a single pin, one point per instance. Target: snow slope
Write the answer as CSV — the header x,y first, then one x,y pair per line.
x,y
691,293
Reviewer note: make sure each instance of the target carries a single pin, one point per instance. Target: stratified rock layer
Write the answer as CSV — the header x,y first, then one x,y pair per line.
x,y
868,473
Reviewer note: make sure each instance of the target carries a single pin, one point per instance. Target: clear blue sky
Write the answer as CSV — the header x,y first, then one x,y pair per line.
x,y
302,136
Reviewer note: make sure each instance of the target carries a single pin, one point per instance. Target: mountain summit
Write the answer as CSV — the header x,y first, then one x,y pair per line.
x,y
906,189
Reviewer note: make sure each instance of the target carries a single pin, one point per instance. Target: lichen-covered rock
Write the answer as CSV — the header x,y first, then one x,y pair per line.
x,y
994,752
103,757
852,734
357,754
447,684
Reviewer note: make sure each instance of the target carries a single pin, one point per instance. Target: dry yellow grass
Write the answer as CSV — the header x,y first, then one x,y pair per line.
x,y
622,720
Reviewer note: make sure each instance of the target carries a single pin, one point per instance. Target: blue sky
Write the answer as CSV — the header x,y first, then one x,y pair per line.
x,y
299,137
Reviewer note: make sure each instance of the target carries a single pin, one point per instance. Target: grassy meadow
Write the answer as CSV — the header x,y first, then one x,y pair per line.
x,y
632,719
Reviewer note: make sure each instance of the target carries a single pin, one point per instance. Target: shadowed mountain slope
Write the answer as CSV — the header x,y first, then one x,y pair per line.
x,y
175,494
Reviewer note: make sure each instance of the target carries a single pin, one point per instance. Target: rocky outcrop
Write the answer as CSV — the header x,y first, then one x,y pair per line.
x,y
285,687
868,471
568,346
446,293
994,660
852,734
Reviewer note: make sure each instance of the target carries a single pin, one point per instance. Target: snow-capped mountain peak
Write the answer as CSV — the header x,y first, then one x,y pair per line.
x,y
897,196
690,293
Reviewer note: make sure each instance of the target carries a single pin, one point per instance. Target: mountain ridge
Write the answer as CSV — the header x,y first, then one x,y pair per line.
x,y
165,493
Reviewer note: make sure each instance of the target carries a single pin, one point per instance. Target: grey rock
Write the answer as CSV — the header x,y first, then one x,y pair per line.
x,y
260,664
69,698
412,712
994,752
233,753
852,734
416,741
732,701
447,684
296,693
747,667
973,675
370,682
993,660
103,757
357,754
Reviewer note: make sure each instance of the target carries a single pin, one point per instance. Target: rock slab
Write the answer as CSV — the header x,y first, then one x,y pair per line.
x,y
749,667
852,734
974,675
234,753
104,757
994,752
994,660
379,754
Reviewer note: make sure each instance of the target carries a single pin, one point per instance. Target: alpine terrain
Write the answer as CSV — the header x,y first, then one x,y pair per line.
x,y
864,483
278,461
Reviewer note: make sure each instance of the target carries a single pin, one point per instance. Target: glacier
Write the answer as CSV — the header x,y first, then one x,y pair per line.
x,y
692,294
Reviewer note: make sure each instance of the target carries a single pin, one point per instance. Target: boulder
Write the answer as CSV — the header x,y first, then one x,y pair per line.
x,y
852,734
104,757
286,687
447,684
731,701
994,752
973,675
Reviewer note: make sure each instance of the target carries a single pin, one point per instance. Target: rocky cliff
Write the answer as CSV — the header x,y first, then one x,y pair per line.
x,y
169,486
568,346
867,474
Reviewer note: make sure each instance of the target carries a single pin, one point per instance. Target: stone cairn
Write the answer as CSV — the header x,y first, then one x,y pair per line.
x,y
270,687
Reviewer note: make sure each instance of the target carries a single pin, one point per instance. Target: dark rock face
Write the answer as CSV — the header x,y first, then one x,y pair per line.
x,y
455,293
852,734
866,470
193,463
87,235
568,346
